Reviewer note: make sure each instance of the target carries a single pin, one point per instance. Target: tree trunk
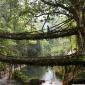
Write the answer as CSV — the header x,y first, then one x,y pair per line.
x,y
69,74
81,40
79,18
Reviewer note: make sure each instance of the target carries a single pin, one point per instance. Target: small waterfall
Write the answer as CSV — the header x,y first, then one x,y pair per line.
x,y
50,78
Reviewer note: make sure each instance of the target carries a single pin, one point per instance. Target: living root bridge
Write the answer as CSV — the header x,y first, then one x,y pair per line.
x,y
39,36
45,61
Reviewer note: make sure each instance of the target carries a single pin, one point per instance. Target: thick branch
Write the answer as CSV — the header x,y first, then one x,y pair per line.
x,y
39,36
45,61
70,9
55,5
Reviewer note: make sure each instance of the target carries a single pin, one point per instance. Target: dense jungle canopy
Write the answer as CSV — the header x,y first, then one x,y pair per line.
x,y
49,31
41,28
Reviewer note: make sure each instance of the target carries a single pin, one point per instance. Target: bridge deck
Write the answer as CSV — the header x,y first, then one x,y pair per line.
x,y
45,61
39,36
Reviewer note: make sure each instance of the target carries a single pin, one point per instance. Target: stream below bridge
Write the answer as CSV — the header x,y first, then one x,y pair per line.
x,y
49,77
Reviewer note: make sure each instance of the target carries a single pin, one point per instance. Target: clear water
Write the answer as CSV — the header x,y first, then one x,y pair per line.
x,y
50,78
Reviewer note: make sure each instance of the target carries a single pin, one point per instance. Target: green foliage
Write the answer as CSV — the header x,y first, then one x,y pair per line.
x,y
2,66
73,42
18,16
81,75
20,77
